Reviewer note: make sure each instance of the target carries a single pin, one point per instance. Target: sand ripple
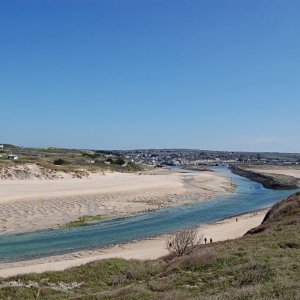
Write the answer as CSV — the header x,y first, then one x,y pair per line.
x,y
28,205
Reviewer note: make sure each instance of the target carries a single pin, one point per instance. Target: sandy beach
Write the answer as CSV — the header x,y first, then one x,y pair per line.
x,y
29,204
145,249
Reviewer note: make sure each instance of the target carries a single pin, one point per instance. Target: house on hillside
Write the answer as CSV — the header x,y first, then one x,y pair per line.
x,y
1,146
13,157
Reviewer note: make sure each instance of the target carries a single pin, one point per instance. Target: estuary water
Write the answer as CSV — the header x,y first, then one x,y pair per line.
x,y
247,197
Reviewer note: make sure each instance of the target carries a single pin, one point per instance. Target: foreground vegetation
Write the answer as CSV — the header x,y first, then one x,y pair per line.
x,y
264,264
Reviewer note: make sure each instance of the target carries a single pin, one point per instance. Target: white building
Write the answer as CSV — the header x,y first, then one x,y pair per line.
x,y
1,146
13,157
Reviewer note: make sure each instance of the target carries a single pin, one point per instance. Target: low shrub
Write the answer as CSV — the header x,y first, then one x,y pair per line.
x,y
161,285
203,258
59,162
118,279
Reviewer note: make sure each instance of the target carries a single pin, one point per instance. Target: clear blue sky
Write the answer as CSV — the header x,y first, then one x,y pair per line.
x,y
221,75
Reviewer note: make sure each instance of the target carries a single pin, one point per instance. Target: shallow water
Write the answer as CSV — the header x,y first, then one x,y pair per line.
x,y
248,196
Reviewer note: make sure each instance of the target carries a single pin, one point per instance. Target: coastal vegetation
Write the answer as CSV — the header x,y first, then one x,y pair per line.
x,y
86,220
264,264
67,160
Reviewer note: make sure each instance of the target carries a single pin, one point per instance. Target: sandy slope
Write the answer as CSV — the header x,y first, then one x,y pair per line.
x,y
32,204
146,249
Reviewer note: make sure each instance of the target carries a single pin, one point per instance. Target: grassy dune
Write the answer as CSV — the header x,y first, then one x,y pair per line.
x,y
75,161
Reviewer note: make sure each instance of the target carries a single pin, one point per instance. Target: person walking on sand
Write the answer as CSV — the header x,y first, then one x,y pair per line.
x,y
236,219
210,240
205,240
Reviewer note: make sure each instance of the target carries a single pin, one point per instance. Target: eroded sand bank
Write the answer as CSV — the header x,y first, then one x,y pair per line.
x,y
293,172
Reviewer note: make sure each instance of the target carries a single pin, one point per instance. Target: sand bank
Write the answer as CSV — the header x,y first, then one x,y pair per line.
x,y
145,249
270,180
33,204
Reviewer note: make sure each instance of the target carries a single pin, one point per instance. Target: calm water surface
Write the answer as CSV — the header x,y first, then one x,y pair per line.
x,y
248,196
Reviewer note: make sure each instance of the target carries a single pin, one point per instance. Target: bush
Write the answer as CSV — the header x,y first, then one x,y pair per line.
x,y
118,279
133,272
199,259
110,160
160,285
184,242
91,156
59,161
119,161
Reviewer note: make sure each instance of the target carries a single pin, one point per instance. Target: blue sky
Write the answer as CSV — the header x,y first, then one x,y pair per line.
x,y
221,75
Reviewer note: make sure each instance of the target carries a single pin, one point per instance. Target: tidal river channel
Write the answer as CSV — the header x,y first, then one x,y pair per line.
x,y
247,197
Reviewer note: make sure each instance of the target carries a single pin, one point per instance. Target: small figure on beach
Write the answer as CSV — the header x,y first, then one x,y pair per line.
x,y
205,240
210,240
236,219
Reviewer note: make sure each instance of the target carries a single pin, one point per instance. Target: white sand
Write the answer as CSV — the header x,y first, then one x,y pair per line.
x,y
146,249
33,204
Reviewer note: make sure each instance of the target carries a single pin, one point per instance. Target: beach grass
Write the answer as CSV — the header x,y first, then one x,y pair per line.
x,y
85,220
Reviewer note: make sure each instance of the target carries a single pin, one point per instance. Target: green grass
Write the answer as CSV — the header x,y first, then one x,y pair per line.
x,y
84,221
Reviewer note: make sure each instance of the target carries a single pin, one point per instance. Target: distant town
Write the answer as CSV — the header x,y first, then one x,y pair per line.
x,y
186,157
132,159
